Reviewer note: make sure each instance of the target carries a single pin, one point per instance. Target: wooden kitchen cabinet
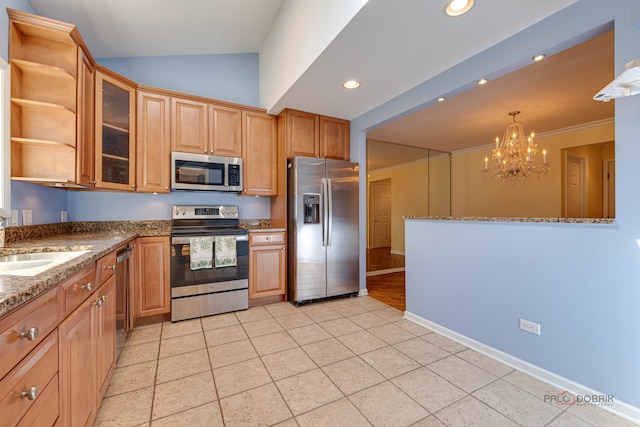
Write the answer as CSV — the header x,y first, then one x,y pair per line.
x,y
103,319
202,128
85,149
77,378
312,135
267,265
259,148
153,142
189,126
37,377
152,276
115,132
51,76
225,131
334,138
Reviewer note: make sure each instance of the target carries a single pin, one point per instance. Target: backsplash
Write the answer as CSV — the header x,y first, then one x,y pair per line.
x,y
152,227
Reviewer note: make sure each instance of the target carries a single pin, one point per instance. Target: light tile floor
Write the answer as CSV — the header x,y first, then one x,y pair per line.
x,y
346,362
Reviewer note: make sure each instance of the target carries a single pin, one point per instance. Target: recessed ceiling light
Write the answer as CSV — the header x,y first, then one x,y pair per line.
x,y
442,98
351,84
483,81
538,57
458,7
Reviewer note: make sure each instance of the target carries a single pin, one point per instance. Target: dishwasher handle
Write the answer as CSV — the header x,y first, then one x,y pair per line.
x,y
123,255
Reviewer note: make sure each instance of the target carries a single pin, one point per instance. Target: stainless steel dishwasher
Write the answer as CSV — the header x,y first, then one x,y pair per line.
x,y
123,274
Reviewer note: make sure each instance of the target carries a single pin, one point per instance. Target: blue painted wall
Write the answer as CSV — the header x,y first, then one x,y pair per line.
x,y
580,282
232,78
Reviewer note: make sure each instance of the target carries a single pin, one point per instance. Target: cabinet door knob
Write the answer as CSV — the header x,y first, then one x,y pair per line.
x,y
268,237
87,287
134,186
94,182
166,188
31,393
30,335
99,302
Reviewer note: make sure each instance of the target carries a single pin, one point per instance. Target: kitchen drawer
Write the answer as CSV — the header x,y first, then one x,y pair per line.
x,y
76,289
276,238
32,387
23,329
105,268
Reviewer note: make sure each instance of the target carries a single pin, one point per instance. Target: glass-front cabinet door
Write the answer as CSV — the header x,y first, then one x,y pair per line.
x,y
115,134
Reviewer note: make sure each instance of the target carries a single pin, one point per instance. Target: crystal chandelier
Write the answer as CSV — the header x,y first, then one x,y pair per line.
x,y
514,157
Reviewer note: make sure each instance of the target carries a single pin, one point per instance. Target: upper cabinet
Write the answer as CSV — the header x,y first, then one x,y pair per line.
x,y
203,128
334,138
115,133
153,142
311,135
259,145
189,126
50,80
225,131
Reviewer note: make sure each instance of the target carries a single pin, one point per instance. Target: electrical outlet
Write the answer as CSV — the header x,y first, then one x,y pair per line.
x,y
531,327
27,217
63,216
13,221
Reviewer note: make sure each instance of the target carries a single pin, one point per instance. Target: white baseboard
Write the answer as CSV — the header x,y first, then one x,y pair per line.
x,y
363,292
619,408
387,271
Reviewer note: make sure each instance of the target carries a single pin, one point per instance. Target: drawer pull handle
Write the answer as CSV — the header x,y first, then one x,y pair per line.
x,y
109,267
268,237
87,287
30,335
30,394
99,302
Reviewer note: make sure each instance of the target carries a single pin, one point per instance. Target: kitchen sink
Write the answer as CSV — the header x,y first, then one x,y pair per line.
x,y
11,263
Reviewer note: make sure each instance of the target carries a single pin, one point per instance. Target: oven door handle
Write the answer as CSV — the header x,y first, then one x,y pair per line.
x,y
185,240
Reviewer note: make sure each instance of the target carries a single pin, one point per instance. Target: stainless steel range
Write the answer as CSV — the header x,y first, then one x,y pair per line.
x,y
212,276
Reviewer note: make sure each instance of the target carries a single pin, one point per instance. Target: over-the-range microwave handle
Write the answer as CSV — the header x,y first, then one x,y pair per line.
x,y
184,240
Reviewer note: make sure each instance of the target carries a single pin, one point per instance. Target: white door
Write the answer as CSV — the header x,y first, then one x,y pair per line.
x,y
381,213
575,194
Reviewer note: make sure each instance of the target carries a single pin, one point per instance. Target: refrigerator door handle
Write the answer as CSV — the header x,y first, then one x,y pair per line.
x,y
329,210
325,213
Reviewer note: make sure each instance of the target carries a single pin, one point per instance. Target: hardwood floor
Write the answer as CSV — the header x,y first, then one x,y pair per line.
x,y
383,259
388,288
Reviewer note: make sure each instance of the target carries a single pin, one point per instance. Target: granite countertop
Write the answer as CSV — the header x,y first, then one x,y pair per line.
x,y
515,219
93,240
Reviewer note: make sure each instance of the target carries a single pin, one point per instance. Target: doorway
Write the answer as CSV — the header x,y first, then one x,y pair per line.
x,y
381,214
575,201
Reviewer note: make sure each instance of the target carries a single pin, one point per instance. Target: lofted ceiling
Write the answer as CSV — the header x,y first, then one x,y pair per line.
x,y
390,45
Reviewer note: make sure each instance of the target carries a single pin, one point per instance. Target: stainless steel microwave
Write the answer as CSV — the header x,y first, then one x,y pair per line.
x,y
202,172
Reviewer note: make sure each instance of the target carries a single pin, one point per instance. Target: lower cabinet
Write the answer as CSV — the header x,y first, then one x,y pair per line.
x,y
87,353
77,367
104,336
152,276
267,265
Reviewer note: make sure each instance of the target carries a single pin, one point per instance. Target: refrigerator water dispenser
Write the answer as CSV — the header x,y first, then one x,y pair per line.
x,y
311,204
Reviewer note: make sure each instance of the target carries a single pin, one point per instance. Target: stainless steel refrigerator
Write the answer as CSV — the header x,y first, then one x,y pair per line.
x,y
323,228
